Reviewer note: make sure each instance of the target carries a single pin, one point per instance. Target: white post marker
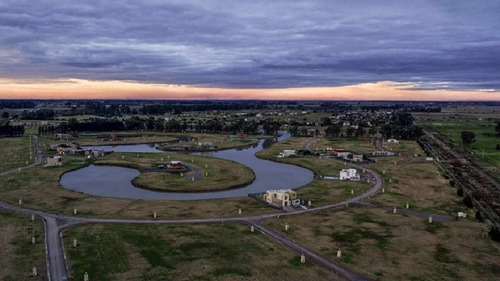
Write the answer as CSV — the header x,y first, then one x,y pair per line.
x,y
33,240
20,201
395,210
407,205
75,243
302,258
430,219
352,191
86,277
287,226
32,217
383,190
252,228
154,215
339,253
239,211
75,211
35,271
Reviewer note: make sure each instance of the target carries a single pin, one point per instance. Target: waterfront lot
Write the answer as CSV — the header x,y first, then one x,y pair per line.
x,y
319,191
207,173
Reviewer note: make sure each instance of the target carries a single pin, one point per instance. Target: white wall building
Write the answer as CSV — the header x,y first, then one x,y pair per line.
x,y
349,174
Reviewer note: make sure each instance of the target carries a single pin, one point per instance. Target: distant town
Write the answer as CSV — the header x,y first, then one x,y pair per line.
x,y
247,189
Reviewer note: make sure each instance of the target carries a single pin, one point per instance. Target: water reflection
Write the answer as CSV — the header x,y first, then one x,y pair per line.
x,y
113,181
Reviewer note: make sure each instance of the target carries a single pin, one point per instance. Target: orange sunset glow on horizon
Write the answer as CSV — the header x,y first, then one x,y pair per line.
x,y
88,89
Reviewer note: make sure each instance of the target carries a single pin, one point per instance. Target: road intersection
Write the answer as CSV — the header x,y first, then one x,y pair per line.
x,y
55,224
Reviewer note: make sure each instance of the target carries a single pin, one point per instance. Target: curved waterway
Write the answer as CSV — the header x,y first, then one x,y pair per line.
x,y
112,181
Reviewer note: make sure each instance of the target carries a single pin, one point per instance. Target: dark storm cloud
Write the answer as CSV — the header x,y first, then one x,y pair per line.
x,y
254,44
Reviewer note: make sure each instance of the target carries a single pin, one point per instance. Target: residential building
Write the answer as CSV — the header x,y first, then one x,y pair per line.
x,y
349,174
54,161
287,153
282,197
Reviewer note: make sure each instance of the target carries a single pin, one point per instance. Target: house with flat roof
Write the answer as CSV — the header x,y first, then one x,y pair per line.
x,y
349,174
281,197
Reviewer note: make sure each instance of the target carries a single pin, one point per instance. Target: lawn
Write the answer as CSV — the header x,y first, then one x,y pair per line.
x,y
14,152
387,246
207,174
19,255
226,251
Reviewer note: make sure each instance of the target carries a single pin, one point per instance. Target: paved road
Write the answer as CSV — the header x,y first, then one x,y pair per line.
x,y
54,224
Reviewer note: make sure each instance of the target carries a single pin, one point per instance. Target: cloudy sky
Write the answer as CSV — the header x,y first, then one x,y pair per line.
x,y
328,49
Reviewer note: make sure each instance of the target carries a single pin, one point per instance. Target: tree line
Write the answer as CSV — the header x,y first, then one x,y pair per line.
x,y
7,130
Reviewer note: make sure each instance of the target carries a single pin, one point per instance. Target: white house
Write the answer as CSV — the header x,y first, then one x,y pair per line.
x,y
287,153
392,141
349,174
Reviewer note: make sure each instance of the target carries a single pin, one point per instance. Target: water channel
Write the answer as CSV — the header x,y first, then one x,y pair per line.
x,y
112,181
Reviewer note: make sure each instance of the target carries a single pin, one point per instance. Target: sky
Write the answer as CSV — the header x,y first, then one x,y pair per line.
x,y
231,49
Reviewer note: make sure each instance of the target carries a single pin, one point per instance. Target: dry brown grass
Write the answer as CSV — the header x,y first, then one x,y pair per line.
x,y
415,181
385,246
39,189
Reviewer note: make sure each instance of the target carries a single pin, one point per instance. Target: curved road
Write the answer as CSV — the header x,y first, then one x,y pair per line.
x,y
55,224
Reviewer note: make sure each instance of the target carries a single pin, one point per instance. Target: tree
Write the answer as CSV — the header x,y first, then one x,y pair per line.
x,y
468,137
350,131
5,115
333,130
497,128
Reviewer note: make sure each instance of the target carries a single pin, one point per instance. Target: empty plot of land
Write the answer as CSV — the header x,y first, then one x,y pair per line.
x,y
18,254
183,252
387,246
14,152
413,180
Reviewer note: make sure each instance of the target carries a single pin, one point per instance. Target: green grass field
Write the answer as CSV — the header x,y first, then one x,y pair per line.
x,y
211,173
18,254
14,152
486,140
226,251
